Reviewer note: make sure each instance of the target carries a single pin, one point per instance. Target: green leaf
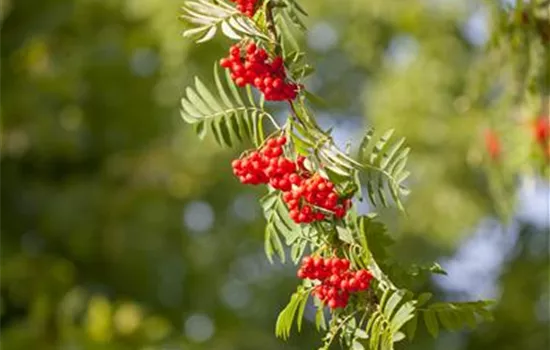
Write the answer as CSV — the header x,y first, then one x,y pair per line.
x,y
208,16
447,320
293,11
376,235
301,309
436,268
431,323
345,235
289,43
403,315
398,337
423,298
279,224
287,315
276,243
392,303
468,317
297,250
456,315
384,325
228,118
383,162
315,100
320,322
411,328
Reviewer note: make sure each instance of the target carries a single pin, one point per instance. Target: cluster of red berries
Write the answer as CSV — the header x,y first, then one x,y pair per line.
x,y
256,69
309,197
541,134
268,165
248,7
337,280
312,193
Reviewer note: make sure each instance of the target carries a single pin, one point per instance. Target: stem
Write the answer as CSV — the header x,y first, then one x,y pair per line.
x,y
344,321
293,112
271,28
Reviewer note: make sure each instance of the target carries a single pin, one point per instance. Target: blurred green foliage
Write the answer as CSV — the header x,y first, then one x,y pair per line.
x,y
121,231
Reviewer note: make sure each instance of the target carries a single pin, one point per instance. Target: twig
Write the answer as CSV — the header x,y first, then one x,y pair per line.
x,y
270,21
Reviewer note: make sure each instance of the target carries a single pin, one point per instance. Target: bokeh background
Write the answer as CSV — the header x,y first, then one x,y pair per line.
x,y
120,230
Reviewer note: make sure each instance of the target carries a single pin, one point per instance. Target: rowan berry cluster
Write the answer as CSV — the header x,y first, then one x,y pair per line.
x,y
268,165
255,68
248,7
308,197
540,132
337,280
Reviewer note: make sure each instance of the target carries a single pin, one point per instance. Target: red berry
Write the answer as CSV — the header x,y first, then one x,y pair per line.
x,y
335,280
339,212
240,82
236,163
353,284
276,151
363,275
277,62
318,262
281,140
277,83
293,204
307,260
344,285
251,48
235,51
225,63
344,263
